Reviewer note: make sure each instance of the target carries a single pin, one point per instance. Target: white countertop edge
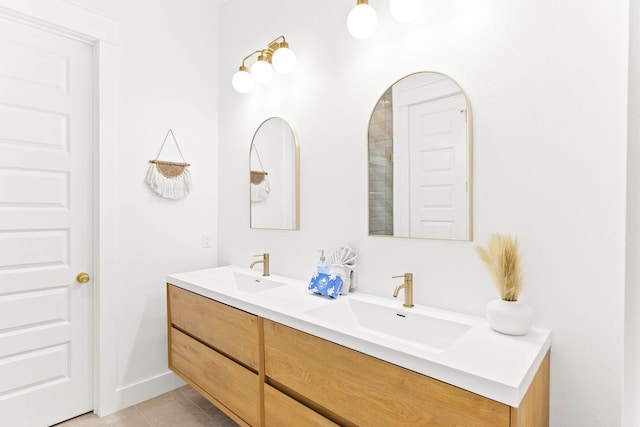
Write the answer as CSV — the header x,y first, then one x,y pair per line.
x,y
509,394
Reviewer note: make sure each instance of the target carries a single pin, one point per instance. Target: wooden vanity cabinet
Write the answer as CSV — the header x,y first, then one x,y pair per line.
x,y
262,373
281,410
215,349
355,389
227,329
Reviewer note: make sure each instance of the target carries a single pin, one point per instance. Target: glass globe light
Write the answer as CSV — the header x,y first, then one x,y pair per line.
x,y
284,60
242,80
406,10
362,21
261,71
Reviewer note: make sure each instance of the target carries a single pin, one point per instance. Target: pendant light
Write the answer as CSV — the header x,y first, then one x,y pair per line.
x,y
362,20
406,10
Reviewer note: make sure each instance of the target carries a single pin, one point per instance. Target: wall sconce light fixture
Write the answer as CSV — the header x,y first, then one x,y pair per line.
x,y
276,56
363,20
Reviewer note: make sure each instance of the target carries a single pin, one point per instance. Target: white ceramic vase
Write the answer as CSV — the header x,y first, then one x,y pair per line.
x,y
509,317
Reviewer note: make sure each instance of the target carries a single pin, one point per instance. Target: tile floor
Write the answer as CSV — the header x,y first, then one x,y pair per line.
x,y
182,407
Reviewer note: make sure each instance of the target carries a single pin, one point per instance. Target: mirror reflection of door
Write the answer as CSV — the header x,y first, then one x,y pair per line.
x,y
426,192
274,176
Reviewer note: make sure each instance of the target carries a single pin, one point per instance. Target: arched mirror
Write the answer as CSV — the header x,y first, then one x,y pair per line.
x,y
420,140
274,176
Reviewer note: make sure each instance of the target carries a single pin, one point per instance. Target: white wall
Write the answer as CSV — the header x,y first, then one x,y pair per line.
x,y
548,94
167,77
631,415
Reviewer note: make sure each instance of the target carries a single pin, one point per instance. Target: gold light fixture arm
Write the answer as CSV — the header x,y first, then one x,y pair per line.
x,y
276,39
275,45
244,67
266,54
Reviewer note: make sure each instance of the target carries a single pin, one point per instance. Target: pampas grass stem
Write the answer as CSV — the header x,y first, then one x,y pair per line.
x,y
502,258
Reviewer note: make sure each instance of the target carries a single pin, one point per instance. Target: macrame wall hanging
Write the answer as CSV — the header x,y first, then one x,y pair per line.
x,y
259,181
170,180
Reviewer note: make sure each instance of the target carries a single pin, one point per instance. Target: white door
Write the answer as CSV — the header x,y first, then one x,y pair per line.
x,y
430,158
46,89
438,168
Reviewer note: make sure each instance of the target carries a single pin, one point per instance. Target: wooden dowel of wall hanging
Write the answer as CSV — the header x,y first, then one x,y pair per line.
x,y
169,163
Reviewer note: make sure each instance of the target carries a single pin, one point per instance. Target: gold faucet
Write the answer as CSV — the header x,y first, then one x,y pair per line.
x,y
264,261
408,289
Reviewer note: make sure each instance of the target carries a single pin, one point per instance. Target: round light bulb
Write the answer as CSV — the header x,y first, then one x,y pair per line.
x,y
242,81
262,72
284,60
406,10
362,21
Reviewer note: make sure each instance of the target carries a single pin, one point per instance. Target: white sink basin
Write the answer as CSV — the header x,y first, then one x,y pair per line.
x,y
246,284
233,282
408,327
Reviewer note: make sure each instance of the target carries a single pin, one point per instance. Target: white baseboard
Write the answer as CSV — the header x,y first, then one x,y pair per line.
x,y
133,394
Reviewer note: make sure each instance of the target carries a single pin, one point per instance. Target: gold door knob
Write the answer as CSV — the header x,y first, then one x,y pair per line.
x,y
83,277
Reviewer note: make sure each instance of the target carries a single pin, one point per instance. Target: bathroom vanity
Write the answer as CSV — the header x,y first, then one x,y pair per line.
x,y
261,351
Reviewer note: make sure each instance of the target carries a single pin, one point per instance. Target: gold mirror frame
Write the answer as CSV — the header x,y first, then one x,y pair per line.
x,y
379,224
259,172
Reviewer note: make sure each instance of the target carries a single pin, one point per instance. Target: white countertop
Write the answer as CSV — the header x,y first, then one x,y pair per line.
x,y
485,362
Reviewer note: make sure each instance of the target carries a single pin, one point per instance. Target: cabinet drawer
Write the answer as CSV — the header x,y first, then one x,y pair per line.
x,y
237,388
282,411
227,329
381,394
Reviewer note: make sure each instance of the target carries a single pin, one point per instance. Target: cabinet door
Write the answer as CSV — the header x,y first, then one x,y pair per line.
x,y
282,411
230,384
227,329
368,391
